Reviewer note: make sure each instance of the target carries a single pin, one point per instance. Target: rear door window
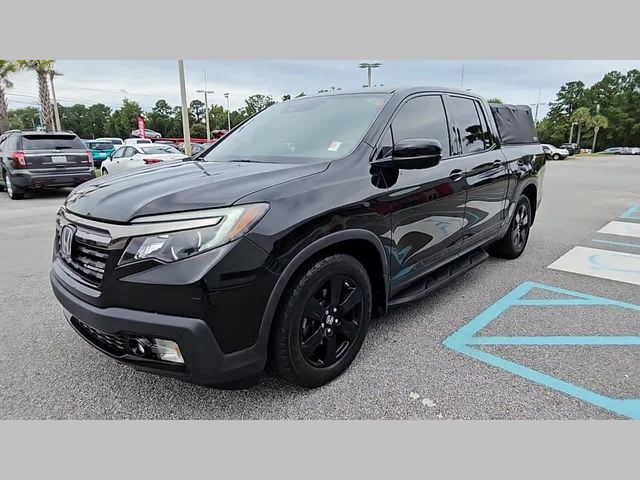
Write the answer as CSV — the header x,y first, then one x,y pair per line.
x,y
51,142
467,129
11,145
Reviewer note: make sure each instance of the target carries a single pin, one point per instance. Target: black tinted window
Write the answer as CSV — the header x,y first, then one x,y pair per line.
x,y
422,117
51,142
468,129
486,133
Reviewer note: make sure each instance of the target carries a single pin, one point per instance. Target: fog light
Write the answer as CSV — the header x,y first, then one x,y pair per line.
x,y
166,350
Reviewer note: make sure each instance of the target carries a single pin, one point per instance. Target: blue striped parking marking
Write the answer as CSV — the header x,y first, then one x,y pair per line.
x,y
633,212
464,340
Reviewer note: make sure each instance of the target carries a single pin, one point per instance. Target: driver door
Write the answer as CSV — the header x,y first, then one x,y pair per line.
x,y
427,204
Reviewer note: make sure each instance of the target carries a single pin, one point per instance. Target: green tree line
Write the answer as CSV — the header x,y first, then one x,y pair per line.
x,y
607,114
99,120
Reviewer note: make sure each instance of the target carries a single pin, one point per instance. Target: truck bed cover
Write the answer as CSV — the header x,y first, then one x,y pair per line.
x,y
515,124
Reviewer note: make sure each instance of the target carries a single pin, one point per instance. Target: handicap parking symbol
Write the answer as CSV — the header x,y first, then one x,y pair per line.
x,y
466,341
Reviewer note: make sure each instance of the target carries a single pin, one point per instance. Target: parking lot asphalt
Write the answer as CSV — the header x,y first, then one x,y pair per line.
x,y
404,371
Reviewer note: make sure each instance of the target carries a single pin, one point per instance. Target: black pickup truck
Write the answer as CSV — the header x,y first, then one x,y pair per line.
x,y
287,235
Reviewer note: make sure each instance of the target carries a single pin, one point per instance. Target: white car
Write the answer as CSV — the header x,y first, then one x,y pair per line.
x,y
129,157
136,141
555,152
116,142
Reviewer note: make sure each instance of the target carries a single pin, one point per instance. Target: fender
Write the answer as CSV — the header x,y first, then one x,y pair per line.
x,y
302,256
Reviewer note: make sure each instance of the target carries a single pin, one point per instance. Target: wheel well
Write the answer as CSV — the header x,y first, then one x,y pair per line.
x,y
367,254
532,194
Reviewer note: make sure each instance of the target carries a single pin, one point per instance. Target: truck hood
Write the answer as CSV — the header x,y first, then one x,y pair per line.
x,y
177,187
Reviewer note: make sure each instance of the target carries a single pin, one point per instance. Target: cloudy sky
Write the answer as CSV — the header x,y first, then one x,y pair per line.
x,y
145,81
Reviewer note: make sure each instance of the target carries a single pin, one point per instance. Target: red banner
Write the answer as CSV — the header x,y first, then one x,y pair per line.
x,y
141,127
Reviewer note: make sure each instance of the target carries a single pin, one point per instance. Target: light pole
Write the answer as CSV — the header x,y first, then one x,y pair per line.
x,y
228,112
185,113
53,73
571,134
206,105
369,66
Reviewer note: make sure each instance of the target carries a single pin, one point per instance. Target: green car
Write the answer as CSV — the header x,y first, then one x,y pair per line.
x,y
100,150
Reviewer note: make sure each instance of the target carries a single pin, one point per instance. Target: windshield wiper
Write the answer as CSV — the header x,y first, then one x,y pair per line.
x,y
243,160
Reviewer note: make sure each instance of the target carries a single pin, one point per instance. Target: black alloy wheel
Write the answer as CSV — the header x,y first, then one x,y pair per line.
x,y
331,321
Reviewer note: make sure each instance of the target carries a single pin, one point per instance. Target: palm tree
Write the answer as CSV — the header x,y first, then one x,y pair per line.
x,y
42,69
7,67
582,116
598,122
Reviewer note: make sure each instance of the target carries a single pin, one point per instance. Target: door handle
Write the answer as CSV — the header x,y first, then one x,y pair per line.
x,y
497,163
456,174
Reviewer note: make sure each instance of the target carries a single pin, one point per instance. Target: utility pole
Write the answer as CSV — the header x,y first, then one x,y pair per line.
x,y
571,134
538,104
58,125
185,113
206,105
462,78
228,112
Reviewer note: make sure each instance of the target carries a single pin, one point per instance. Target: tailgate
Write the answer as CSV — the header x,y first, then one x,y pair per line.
x,y
62,159
55,152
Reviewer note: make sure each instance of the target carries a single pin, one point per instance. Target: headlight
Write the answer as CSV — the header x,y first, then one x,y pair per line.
x,y
224,226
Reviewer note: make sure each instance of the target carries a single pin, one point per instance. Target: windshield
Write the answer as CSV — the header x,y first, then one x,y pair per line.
x,y
159,149
307,129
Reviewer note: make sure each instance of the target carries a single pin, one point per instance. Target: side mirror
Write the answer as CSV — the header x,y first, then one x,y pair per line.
x,y
413,153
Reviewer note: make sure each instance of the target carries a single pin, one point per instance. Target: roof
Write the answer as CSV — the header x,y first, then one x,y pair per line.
x,y
402,90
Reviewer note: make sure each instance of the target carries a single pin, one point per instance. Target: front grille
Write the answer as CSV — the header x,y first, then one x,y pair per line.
x,y
110,343
89,255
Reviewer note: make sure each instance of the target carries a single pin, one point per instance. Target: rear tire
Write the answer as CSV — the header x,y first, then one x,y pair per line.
x,y
322,321
14,192
515,240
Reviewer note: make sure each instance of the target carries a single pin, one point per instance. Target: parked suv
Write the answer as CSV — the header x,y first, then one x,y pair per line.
x,y
30,159
293,230
572,148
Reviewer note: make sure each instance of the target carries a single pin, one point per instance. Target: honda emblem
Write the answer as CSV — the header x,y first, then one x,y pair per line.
x,y
66,240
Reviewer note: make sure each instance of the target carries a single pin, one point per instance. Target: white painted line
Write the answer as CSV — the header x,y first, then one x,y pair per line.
x,y
618,266
626,229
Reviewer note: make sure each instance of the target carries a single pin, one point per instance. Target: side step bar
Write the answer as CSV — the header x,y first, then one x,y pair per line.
x,y
439,277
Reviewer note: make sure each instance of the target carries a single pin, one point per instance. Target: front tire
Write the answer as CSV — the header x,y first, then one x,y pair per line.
x,y
14,192
556,156
515,240
105,172
322,321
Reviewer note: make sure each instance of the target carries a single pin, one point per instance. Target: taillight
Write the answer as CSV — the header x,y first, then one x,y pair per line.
x,y
149,161
89,158
20,162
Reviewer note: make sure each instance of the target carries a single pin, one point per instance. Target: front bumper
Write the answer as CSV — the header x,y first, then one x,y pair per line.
x,y
205,362
33,179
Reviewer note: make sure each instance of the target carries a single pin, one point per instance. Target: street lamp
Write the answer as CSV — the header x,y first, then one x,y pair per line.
x,y
369,66
206,105
226,95
185,112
